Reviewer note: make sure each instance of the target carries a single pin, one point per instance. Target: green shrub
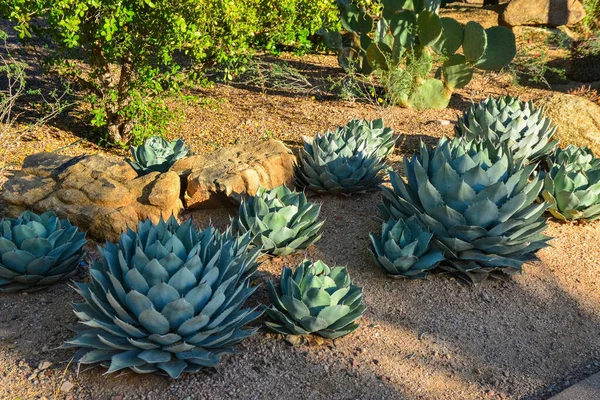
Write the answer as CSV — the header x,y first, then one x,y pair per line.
x,y
591,22
128,54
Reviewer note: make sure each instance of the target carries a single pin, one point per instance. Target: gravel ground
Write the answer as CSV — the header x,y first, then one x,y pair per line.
x,y
435,339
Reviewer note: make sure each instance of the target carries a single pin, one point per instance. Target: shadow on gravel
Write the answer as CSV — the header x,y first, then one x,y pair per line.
x,y
523,338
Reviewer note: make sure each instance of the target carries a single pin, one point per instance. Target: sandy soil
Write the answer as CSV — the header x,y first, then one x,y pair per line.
x,y
433,339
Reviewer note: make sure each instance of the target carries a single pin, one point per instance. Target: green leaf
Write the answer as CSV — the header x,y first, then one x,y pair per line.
x,y
376,57
451,39
431,94
456,72
296,308
474,42
429,27
500,50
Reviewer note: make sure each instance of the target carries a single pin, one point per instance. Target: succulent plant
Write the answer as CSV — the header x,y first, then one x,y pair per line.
x,y
572,185
403,249
480,208
378,138
315,299
346,161
37,251
401,39
521,125
281,221
157,155
168,298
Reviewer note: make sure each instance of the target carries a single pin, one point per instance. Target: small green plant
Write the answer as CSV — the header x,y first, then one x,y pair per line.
x,y
157,155
37,251
532,64
519,125
348,160
280,221
315,299
591,21
274,76
478,204
168,298
402,46
14,94
584,64
572,185
404,249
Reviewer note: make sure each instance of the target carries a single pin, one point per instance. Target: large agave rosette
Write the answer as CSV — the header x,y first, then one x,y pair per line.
x,y
168,298
479,206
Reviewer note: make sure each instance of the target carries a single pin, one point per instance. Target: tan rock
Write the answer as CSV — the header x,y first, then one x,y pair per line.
x,y
217,179
543,12
577,118
99,194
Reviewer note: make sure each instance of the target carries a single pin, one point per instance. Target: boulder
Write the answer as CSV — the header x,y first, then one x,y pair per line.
x,y
543,12
99,194
577,118
224,177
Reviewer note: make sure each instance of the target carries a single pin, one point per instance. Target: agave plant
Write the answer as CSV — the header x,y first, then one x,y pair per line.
x,y
168,298
520,125
572,185
315,300
377,137
348,160
38,250
157,155
404,250
480,209
280,221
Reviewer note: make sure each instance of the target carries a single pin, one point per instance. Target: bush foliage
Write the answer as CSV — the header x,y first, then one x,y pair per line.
x,y
128,53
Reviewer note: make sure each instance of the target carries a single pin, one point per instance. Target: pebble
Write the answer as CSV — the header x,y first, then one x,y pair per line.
x,y
44,365
66,387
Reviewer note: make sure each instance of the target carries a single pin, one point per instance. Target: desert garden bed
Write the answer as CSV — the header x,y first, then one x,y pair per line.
x,y
527,337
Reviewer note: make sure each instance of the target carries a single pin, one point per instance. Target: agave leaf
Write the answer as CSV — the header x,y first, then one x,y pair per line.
x,y
18,260
154,321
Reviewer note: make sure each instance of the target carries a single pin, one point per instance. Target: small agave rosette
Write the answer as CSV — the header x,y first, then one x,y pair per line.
x,y
168,298
572,185
314,299
38,250
479,205
404,249
507,120
280,221
157,155
348,160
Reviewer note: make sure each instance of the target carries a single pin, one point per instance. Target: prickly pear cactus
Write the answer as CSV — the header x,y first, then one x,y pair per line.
x,y
411,31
